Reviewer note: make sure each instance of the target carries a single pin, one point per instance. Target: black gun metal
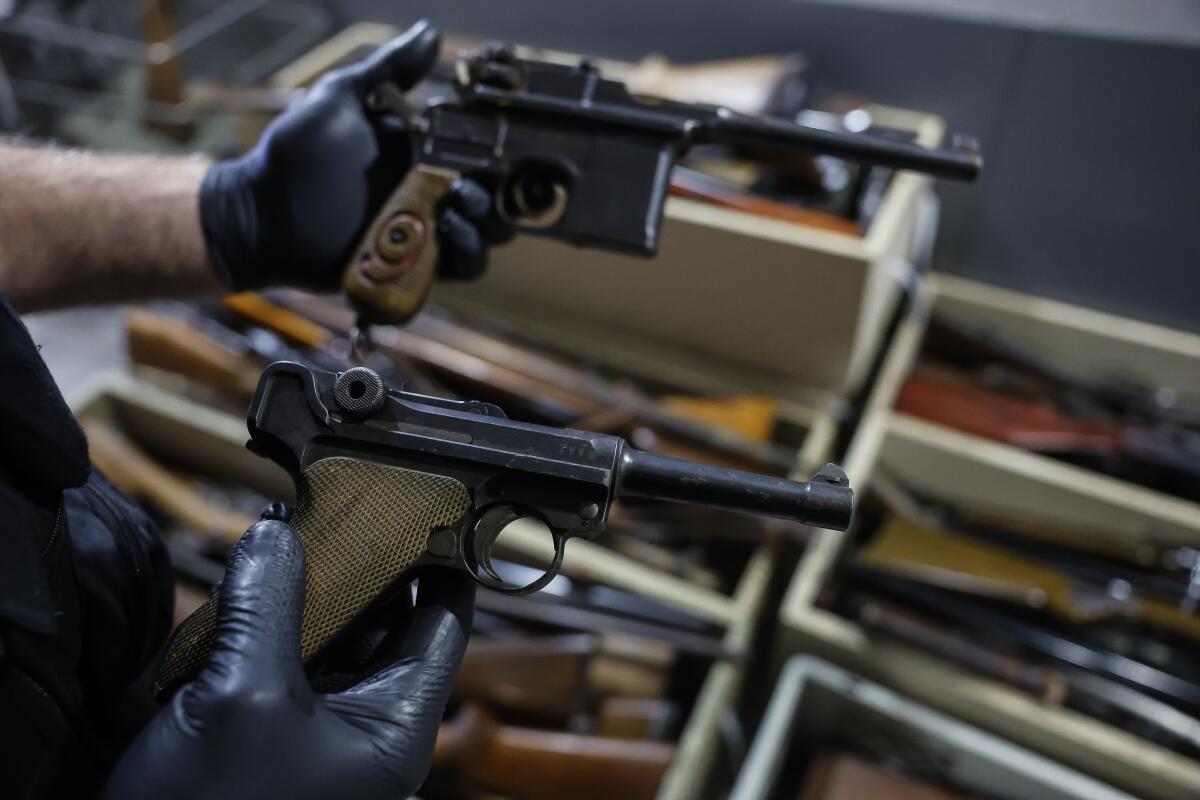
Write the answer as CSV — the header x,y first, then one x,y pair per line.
x,y
566,478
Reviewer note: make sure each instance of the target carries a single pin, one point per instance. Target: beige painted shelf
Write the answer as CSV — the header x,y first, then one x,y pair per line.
x,y
961,468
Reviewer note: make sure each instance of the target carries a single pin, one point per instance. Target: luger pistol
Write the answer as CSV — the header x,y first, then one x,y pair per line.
x,y
567,154
387,481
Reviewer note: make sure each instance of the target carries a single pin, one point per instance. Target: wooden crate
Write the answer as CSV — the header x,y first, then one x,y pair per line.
x,y
961,468
816,703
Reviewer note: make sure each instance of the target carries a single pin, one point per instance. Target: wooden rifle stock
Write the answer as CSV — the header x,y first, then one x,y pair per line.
x,y
536,678
634,718
171,344
550,679
993,416
841,776
283,321
943,558
137,475
1163,458
164,70
531,764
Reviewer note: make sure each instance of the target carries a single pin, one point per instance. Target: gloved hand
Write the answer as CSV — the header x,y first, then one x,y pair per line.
x,y
292,210
250,725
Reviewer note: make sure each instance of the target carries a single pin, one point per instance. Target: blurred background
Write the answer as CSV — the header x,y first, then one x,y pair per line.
x,y
1008,370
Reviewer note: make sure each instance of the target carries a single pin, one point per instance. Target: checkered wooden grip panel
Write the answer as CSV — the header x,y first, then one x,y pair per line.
x,y
362,524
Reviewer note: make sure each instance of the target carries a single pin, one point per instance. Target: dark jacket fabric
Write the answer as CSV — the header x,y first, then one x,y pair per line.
x,y
85,592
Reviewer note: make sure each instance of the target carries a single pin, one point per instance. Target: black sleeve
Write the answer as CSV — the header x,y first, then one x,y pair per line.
x,y
126,600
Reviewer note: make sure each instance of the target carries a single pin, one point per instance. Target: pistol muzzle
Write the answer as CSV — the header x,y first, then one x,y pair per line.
x,y
826,501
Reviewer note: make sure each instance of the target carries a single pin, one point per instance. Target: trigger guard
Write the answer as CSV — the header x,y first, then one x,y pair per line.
x,y
550,574
479,562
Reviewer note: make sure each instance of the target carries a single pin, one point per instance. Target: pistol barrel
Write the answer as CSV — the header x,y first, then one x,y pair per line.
x,y
826,501
738,129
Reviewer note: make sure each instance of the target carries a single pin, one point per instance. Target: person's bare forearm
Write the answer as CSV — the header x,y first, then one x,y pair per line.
x,y
83,228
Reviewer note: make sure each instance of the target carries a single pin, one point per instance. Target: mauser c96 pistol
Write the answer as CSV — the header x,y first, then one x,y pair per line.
x,y
567,154
387,481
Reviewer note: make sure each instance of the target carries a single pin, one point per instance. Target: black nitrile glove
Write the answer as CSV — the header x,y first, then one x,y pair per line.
x,y
291,211
251,726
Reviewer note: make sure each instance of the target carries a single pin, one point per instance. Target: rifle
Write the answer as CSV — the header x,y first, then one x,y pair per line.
x,y
568,154
140,477
530,764
559,681
836,775
388,481
1092,694
541,679
164,76
956,343
1158,457
168,343
1001,572
1014,631
635,718
550,679
555,614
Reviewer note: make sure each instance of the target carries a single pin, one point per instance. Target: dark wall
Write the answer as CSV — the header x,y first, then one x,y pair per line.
x,y
1089,193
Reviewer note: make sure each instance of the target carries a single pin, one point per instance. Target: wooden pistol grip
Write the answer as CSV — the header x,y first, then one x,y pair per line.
x,y
362,525
393,267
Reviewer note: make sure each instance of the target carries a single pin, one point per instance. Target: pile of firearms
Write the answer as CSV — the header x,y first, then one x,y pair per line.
x,y
1067,616
580,690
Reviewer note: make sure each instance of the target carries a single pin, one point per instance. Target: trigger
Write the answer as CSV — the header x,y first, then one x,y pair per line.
x,y
486,563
